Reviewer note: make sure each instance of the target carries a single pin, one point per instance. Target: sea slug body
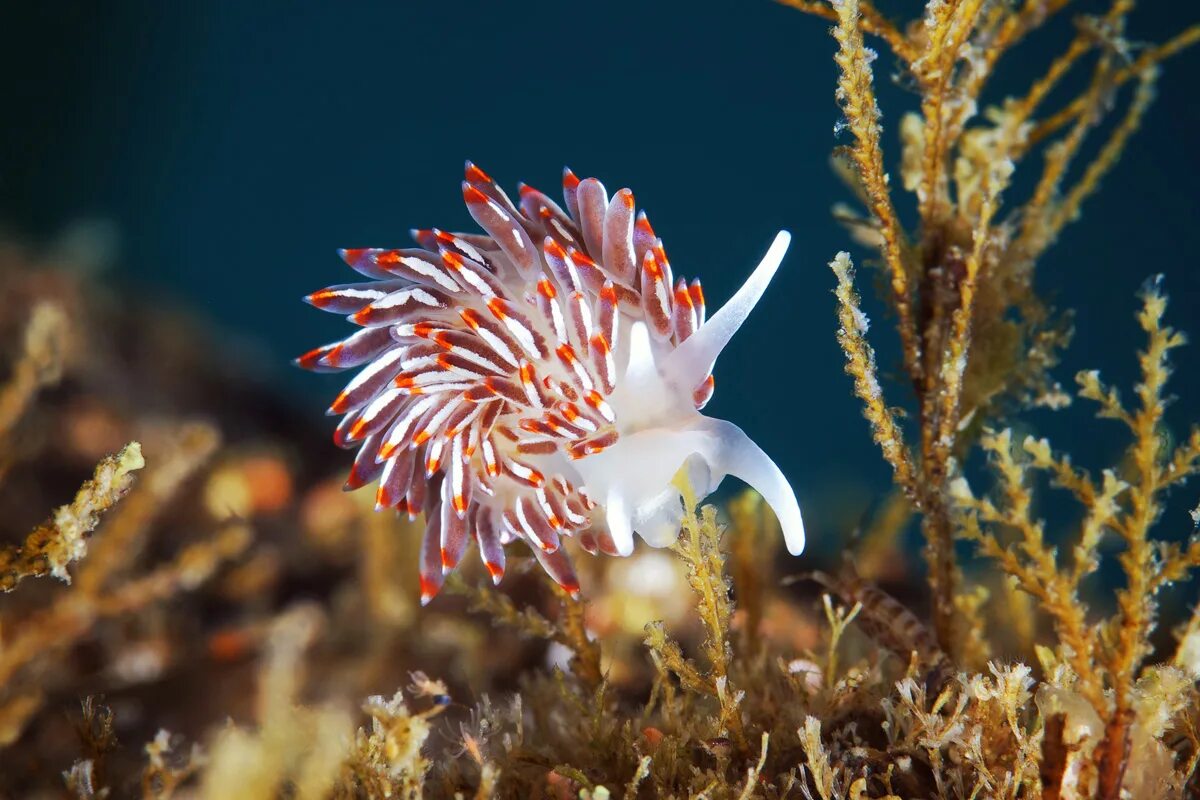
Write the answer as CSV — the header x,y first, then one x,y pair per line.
x,y
543,379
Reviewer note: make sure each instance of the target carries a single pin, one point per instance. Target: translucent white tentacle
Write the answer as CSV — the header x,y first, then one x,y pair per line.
x,y
691,362
732,452
641,367
658,523
620,525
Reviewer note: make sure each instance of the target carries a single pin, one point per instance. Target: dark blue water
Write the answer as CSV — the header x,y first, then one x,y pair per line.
x,y
236,145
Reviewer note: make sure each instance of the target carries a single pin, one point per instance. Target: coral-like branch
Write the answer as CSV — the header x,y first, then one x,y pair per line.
x,y
954,364
699,545
975,338
1047,213
501,609
860,365
1136,602
754,529
1032,564
1106,659
1149,58
1185,461
856,94
670,656
74,614
40,364
180,456
63,538
572,627
873,23
947,27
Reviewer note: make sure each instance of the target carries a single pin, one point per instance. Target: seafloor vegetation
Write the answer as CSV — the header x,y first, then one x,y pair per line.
x,y
211,616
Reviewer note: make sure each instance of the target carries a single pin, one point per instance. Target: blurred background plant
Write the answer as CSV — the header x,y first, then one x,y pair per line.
x,y
210,616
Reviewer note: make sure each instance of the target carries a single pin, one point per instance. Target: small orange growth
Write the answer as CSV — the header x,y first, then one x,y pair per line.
x,y
473,195
230,644
476,175
309,359
496,306
554,249
268,481
582,259
683,297
327,510
321,298
356,430
471,317
428,591
334,356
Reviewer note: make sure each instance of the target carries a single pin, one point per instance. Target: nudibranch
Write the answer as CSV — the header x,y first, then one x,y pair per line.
x,y
540,380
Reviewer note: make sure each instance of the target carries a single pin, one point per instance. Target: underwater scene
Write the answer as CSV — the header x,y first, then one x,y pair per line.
x,y
771,399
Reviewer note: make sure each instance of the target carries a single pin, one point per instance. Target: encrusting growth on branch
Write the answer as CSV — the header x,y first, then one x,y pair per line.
x,y
63,538
185,451
871,21
699,546
860,365
857,98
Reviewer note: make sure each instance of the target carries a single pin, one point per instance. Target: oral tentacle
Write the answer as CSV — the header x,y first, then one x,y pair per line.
x,y
729,451
620,526
659,526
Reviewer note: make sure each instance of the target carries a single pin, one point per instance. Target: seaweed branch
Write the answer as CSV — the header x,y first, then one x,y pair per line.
x,y
976,341
699,546
62,538
1106,659
40,364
